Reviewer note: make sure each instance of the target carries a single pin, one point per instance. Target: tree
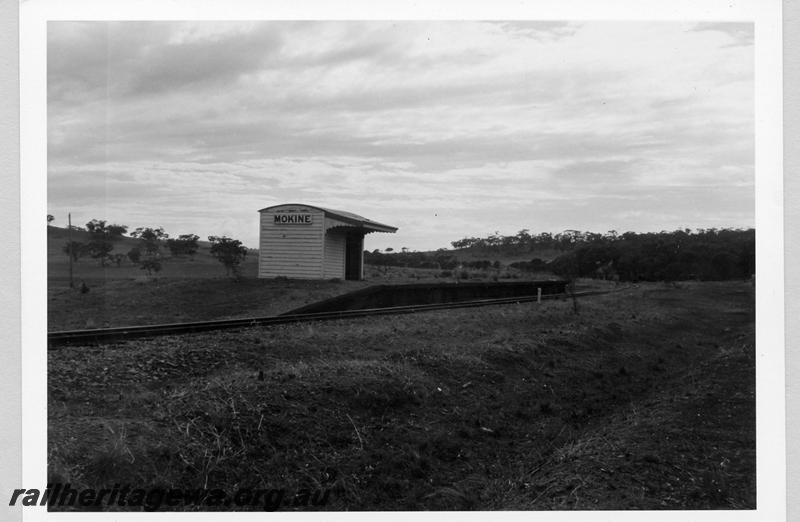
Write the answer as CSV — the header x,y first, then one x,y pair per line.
x,y
98,227
230,252
135,255
185,244
148,256
722,264
116,231
523,237
50,218
151,264
102,237
100,249
151,239
76,248
747,258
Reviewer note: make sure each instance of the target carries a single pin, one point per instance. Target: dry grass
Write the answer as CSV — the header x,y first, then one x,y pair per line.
x,y
514,407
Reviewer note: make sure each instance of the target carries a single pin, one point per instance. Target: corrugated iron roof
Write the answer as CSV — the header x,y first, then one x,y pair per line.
x,y
341,215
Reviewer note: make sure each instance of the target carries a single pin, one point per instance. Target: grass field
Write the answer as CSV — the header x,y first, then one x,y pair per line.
x,y
126,302
120,299
643,399
192,288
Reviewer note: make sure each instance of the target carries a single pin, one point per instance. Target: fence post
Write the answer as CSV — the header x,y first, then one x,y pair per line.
x,y
539,294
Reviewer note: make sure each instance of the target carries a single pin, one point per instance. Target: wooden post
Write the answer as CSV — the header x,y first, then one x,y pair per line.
x,y
539,294
361,254
69,238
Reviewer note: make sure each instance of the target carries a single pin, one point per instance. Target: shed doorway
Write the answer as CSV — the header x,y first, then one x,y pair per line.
x,y
354,257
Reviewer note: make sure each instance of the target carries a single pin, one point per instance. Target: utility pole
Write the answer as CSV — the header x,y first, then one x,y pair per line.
x,y
69,238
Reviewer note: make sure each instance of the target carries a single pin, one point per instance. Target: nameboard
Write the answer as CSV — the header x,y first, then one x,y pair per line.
x,y
292,219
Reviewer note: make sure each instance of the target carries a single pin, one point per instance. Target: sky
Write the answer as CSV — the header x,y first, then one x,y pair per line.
x,y
443,129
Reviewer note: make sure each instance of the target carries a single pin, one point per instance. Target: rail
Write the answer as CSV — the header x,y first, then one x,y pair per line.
x,y
107,335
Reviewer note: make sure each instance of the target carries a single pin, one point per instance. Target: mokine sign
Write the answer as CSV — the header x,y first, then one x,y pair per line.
x,y
292,219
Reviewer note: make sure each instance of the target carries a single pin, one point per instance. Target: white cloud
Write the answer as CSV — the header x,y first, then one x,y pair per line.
x,y
486,126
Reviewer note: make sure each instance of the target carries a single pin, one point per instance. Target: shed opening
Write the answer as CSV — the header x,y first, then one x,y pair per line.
x,y
354,257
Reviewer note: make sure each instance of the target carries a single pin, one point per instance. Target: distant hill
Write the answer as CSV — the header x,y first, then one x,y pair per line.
x,y
704,254
56,233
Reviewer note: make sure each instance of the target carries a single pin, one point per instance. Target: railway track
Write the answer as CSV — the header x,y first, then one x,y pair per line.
x,y
108,335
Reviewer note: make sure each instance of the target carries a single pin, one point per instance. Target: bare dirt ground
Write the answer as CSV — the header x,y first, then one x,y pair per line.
x,y
643,399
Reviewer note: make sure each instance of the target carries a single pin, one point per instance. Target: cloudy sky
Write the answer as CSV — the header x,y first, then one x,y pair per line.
x,y
443,129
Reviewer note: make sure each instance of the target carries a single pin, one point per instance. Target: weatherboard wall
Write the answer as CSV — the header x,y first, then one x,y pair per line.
x,y
294,247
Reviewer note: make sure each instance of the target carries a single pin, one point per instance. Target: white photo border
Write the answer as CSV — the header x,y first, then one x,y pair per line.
x,y
770,348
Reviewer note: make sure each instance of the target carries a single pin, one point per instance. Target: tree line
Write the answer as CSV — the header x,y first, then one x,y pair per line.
x,y
525,241
440,259
706,254
103,237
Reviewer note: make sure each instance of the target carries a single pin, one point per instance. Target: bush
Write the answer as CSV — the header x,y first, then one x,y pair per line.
x,y
151,265
135,254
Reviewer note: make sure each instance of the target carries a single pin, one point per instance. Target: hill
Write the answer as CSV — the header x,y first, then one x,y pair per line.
x,y
200,265
703,254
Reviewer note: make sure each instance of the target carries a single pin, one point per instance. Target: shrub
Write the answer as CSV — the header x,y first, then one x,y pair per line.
x,y
150,264
135,254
